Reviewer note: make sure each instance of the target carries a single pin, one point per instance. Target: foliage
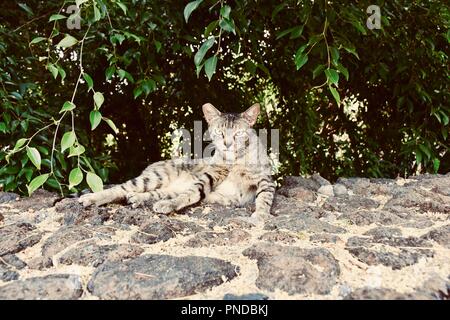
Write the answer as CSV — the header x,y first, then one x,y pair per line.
x,y
84,105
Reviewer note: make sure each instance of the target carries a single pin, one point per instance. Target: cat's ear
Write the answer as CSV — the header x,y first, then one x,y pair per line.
x,y
210,112
251,114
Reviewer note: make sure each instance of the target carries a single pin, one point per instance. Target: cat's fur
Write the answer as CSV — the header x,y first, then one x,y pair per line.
x,y
237,173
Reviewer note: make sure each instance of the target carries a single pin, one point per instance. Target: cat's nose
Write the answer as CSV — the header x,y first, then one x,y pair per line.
x,y
227,143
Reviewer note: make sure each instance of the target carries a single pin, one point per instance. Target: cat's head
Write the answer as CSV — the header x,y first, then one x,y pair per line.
x,y
230,132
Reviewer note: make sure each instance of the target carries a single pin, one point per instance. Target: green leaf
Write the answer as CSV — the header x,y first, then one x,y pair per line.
x,y
54,17
123,7
19,144
418,157
318,70
67,42
190,7
300,60
227,25
37,40
359,26
61,72
67,140
97,15
444,117
335,94
332,76
111,124
425,150
98,99
37,183
89,81
94,182
75,177
95,117
198,58
67,106
334,55
210,66
35,157
158,45
296,32
26,8
53,70
436,165
343,70
76,151
225,11
109,72
210,28
80,2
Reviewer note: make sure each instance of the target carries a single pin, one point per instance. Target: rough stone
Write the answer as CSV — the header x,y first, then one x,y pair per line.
x,y
17,237
383,232
163,229
383,294
420,200
326,190
51,287
206,239
250,296
74,213
340,190
294,270
63,238
324,238
8,196
441,235
366,217
298,193
404,258
7,274
90,254
278,236
159,277
349,203
40,199
13,261
302,222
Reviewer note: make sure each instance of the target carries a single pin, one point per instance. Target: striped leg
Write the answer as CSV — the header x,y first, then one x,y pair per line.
x,y
153,177
264,196
201,187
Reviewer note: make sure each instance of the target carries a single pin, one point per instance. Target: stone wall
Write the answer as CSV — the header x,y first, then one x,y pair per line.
x,y
356,239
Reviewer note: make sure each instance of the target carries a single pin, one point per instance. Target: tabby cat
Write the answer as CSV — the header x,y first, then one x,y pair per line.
x,y
238,173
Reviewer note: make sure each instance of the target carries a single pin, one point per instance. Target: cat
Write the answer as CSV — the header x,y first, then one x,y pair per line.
x,y
238,172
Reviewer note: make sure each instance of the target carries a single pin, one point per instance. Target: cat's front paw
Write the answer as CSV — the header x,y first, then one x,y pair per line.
x,y
89,199
164,206
257,219
135,199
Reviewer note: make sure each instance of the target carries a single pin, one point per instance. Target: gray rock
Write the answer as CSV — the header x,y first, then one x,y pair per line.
x,y
51,287
418,199
326,190
40,199
384,294
383,232
366,217
390,241
302,222
133,216
406,257
63,238
324,238
321,181
250,296
278,236
222,216
340,190
8,197
7,274
292,181
349,203
293,269
441,235
13,261
90,254
159,277
75,213
160,230
17,237
298,193
206,239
